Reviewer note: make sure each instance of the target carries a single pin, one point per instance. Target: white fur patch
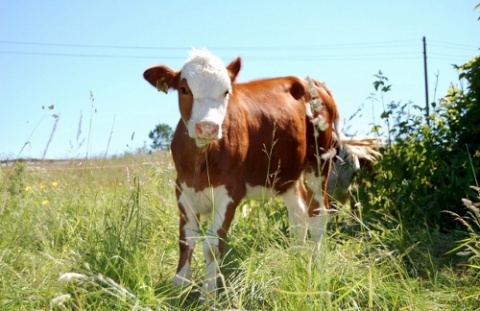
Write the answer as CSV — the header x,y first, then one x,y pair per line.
x,y
214,201
183,277
209,82
314,183
260,193
297,212
317,225
202,202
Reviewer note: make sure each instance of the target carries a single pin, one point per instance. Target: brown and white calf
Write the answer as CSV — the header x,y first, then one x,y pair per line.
x,y
245,140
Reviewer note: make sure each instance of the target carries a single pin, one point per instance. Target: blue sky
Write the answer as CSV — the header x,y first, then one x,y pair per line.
x,y
62,53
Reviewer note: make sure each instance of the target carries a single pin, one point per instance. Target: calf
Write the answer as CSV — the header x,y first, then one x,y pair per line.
x,y
353,154
238,140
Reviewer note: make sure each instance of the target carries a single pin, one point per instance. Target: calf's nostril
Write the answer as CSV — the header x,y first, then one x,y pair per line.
x,y
214,129
198,129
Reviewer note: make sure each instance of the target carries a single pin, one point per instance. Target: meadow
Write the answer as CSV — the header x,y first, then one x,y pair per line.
x,y
102,234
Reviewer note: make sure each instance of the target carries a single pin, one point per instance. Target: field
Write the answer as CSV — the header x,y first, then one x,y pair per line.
x,y
102,235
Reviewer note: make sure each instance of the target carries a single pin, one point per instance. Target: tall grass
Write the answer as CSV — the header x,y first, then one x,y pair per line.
x,y
103,235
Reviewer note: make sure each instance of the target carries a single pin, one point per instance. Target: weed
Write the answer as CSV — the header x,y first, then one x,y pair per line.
x,y
470,245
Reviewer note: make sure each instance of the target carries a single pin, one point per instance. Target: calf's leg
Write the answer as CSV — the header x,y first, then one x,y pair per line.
x,y
295,200
318,203
187,241
223,210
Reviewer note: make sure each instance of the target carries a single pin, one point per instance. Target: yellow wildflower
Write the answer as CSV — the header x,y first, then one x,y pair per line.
x,y
45,202
55,184
42,186
28,189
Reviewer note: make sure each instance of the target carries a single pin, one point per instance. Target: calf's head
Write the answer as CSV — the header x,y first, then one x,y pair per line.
x,y
204,88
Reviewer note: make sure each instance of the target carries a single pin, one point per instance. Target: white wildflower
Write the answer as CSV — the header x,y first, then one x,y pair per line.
x,y
329,154
246,209
60,300
320,123
309,112
317,104
467,203
73,277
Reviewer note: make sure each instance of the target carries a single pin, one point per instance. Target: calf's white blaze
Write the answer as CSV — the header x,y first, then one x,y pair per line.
x,y
210,84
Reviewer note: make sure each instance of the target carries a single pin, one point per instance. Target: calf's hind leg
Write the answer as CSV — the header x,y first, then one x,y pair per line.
x,y
295,201
318,208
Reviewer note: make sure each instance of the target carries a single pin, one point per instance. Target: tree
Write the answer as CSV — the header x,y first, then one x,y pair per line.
x,y
162,136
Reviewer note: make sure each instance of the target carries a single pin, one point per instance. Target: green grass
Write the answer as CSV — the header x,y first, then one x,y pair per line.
x,y
102,235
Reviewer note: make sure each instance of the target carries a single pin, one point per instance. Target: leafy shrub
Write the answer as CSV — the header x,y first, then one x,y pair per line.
x,y
427,168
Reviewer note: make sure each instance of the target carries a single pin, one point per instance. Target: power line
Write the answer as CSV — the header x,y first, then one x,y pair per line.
x,y
359,51
455,46
249,48
84,55
396,55
49,44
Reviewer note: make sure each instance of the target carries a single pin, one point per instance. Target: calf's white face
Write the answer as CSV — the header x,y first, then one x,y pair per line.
x,y
204,91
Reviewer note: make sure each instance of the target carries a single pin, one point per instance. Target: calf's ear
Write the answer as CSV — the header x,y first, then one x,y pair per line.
x,y
234,68
162,78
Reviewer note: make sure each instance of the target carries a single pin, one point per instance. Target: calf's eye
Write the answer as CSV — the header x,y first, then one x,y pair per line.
x,y
183,91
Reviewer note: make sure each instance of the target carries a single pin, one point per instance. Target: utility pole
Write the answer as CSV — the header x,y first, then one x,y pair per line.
x,y
427,104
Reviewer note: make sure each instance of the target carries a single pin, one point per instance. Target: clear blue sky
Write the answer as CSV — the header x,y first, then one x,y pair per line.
x,y
57,52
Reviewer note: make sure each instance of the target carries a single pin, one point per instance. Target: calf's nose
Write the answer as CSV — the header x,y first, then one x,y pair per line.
x,y
206,130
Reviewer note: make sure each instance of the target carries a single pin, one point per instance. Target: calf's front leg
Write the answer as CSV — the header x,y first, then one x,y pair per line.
x,y
223,210
189,229
187,240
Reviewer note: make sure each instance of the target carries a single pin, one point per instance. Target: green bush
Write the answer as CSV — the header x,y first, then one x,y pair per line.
x,y
427,168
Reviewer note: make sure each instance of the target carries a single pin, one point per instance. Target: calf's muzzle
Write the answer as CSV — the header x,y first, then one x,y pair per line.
x,y
206,132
